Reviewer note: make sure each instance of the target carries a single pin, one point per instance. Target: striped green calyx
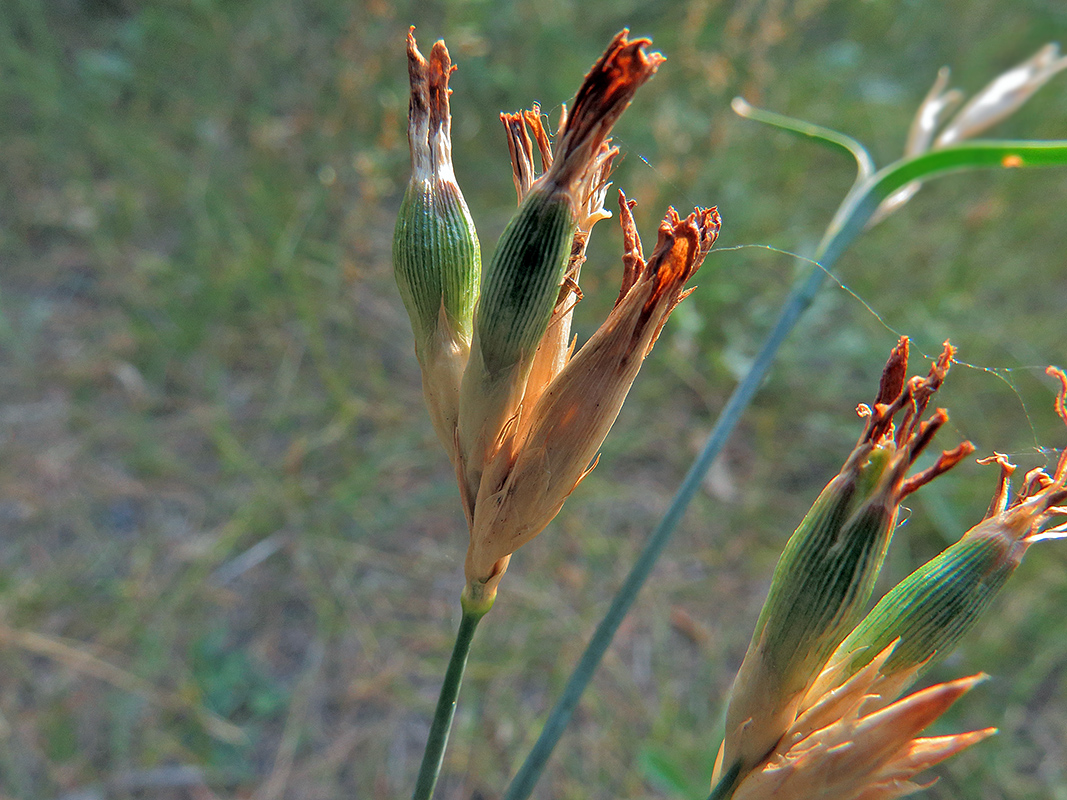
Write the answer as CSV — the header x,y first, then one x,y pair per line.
x,y
437,261
436,255
524,277
928,612
827,571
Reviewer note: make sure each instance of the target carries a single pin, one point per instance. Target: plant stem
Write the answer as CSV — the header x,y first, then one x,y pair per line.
x,y
446,706
727,783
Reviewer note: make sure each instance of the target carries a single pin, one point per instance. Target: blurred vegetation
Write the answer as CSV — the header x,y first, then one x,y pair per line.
x,y
220,493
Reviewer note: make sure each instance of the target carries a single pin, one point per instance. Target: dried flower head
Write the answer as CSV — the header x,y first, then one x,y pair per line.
x,y
524,485
827,571
528,416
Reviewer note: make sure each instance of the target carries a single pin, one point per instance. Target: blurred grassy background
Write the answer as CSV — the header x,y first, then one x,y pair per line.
x,y
219,490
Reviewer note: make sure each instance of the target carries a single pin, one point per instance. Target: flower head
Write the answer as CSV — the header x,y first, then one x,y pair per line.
x,y
525,421
827,571
522,284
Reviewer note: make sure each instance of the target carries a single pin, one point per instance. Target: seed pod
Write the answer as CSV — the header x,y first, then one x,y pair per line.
x,y
827,571
436,254
437,261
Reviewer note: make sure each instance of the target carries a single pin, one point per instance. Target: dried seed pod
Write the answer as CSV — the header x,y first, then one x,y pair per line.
x,y
436,254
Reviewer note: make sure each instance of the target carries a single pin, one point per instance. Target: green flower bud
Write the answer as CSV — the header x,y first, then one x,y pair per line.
x,y
436,255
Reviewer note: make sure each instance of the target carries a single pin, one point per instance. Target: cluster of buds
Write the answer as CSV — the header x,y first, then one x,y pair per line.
x,y
520,413
814,710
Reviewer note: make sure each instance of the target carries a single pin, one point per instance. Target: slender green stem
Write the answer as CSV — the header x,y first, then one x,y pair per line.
x,y
727,783
446,706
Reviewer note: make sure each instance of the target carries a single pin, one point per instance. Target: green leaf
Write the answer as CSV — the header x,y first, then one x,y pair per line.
x,y
863,200
809,130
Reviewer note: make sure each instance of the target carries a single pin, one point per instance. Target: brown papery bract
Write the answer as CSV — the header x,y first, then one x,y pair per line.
x,y
523,489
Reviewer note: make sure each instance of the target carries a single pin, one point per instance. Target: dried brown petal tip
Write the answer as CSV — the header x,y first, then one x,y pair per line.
x,y
429,121
520,146
896,369
911,434
603,96
441,68
418,73
679,253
